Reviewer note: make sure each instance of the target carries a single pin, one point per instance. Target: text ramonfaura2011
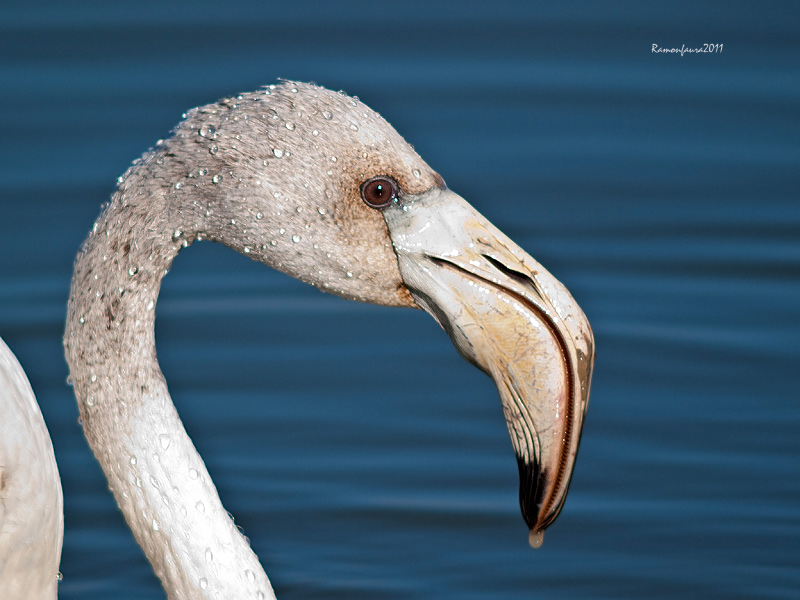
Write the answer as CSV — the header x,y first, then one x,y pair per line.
x,y
704,49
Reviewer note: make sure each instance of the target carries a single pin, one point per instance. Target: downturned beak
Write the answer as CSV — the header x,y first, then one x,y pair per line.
x,y
511,318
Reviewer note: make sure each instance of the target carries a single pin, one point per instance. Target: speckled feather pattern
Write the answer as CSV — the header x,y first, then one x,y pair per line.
x,y
274,174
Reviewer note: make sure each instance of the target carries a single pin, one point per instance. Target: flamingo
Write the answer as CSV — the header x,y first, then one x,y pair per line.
x,y
317,185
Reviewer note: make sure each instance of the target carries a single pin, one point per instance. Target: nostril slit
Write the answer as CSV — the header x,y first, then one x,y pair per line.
x,y
522,277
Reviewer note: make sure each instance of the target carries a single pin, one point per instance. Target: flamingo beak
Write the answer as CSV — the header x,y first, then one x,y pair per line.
x,y
512,319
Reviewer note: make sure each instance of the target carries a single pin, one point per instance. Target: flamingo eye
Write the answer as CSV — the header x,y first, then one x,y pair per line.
x,y
379,191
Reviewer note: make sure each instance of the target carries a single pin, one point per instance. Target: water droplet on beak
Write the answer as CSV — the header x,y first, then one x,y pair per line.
x,y
536,538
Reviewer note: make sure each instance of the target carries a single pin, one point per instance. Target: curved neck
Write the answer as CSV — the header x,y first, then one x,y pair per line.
x,y
158,479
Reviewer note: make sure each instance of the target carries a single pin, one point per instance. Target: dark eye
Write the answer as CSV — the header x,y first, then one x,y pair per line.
x,y
378,191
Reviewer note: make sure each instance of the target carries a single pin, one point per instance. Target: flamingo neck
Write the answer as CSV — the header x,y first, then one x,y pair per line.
x,y
153,469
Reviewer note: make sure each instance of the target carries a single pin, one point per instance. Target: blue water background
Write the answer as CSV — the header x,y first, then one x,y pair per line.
x,y
361,456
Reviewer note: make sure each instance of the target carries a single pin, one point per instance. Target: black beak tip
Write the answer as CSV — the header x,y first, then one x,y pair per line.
x,y
531,490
